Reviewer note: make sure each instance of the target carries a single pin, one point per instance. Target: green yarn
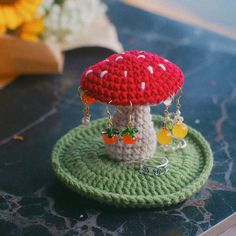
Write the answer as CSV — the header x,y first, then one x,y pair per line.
x,y
80,161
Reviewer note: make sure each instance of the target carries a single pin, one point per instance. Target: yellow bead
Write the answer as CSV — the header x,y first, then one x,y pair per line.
x,y
164,136
180,130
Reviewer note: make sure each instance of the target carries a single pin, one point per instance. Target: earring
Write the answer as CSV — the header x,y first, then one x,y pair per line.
x,y
87,101
110,134
164,135
180,129
129,134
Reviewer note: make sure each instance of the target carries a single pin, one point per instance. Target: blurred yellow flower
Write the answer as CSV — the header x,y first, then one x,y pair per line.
x,y
32,29
2,29
15,12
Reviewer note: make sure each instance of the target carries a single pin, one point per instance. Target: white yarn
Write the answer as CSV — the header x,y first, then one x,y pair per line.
x,y
67,20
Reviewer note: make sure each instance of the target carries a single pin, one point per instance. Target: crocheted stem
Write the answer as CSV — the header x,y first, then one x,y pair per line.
x,y
145,146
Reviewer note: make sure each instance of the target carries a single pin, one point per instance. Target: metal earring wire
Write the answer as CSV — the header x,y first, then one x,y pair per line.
x,y
179,125
178,105
130,115
109,123
168,122
164,135
110,134
129,134
86,114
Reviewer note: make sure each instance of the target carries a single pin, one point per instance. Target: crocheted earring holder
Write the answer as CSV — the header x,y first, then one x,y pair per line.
x,y
153,177
138,78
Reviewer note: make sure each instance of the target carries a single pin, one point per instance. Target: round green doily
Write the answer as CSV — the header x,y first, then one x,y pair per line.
x,y
80,161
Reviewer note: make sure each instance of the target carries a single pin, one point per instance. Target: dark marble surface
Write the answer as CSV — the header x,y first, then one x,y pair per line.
x,y
43,108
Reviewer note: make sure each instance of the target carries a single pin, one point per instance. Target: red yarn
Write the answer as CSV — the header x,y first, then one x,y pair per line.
x,y
134,76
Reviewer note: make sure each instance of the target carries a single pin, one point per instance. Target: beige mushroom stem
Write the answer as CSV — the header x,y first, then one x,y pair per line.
x,y
145,146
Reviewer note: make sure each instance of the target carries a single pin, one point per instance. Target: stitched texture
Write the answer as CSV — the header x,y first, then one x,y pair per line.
x,y
145,146
137,76
79,160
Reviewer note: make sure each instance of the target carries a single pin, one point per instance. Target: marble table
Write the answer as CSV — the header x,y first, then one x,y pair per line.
x,y
43,108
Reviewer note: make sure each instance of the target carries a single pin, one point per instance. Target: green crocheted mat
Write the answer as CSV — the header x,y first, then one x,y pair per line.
x,y
80,161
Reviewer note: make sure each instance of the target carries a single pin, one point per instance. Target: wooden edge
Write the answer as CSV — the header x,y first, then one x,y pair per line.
x,y
26,57
58,56
5,80
221,227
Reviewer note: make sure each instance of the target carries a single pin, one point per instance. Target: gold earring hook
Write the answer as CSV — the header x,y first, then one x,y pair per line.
x,y
130,115
86,115
178,105
117,109
109,115
79,91
166,109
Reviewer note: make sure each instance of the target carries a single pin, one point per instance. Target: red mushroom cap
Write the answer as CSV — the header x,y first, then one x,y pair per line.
x,y
134,76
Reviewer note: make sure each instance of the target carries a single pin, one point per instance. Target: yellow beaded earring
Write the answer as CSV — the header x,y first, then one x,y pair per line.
x,y
164,135
180,129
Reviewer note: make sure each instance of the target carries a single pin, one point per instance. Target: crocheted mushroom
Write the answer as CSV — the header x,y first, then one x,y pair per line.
x,y
138,78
